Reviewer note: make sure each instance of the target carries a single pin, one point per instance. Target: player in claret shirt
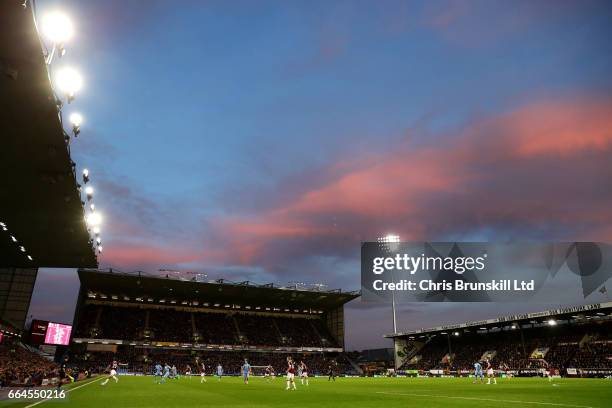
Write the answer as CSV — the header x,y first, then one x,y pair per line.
x,y
290,374
113,372
269,374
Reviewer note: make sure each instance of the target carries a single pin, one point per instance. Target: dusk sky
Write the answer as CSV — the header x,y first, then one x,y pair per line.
x,y
265,140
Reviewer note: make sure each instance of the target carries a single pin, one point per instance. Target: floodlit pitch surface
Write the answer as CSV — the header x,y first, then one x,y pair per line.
x,y
345,392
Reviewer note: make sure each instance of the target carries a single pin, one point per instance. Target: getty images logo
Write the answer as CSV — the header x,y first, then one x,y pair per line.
x,y
412,264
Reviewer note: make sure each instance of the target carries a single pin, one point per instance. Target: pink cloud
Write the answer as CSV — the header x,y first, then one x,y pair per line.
x,y
129,255
522,167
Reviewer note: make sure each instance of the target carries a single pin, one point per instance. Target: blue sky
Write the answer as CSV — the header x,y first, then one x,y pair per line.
x,y
265,140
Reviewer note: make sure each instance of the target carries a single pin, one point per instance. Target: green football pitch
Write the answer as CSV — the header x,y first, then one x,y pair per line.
x,y
230,392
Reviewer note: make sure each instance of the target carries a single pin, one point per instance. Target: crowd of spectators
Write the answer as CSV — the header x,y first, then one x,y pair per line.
x,y
20,367
594,355
216,328
562,348
171,324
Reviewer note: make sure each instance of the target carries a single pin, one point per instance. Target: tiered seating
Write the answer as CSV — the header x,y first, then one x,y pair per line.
x,y
563,344
169,324
258,330
594,355
298,332
19,367
216,328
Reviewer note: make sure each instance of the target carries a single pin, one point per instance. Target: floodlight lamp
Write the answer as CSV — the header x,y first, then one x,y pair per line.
x,y
76,119
392,238
57,27
94,219
69,82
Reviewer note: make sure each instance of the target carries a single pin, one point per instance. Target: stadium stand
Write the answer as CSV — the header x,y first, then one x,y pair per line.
x,y
208,328
21,367
139,319
570,341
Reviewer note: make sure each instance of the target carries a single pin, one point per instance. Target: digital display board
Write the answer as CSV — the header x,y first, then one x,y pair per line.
x,y
58,334
38,330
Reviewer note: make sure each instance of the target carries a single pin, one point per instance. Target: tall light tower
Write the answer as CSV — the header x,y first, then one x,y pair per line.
x,y
390,243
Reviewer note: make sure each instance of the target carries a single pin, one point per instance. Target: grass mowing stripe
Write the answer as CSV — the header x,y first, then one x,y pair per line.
x,y
67,391
485,399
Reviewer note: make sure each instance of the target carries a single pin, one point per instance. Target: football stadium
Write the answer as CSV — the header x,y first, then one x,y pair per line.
x,y
318,204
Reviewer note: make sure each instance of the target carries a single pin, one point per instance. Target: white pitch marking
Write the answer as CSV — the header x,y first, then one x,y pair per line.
x,y
67,391
484,399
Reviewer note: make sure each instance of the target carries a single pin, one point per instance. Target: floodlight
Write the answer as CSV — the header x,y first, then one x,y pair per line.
x,y
96,230
69,82
76,119
94,219
552,322
89,192
57,27
391,238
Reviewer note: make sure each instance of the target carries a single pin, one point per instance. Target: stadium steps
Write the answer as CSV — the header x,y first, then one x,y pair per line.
x,y
353,363
194,329
314,328
278,332
570,357
36,351
586,339
239,336
98,317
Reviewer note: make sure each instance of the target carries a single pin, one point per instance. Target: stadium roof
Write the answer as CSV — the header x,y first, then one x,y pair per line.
x,y
41,206
168,288
576,313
